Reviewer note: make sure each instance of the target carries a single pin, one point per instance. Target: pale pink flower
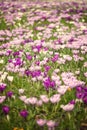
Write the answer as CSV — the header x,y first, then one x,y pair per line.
x,y
51,123
21,91
85,74
55,98
68,107
2,99
41,122
22,98
44,98
32,100
39,103
62,89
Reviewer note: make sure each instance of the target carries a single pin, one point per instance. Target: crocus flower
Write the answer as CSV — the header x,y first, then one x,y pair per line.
x,y
44,98
50,123
55,98
2,87
24,113
2,98
41,122
85,99
5,109
9,94
32,100
68,107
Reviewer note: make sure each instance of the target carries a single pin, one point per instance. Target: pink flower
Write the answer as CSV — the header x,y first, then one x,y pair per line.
x,y
68,107
55,98
22,98
44,98
32,100
2,99
51,123
39,103
41,122
62,89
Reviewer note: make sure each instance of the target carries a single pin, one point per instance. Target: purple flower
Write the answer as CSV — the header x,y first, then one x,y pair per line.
x,y
24,113
85,99
79,95
5,109
53,84
9,94
55,58
47,68
2,87
29,57
27,72
72,102
85,89
79,88
36,73
18,62
47,83
37,62
16,53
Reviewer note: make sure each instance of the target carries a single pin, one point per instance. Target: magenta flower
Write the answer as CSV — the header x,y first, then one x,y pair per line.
x,y
5,109
29,57
85,99
9,94
24,113
47,68
2,87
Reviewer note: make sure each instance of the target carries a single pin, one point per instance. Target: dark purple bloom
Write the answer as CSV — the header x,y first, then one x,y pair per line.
x,y
10,60
48,83
8,52
18,62
5,109
9,94
79,95
53,84
72,102
85,99
79,88
16,53
85,89
2,87
24,113
28,72
36,73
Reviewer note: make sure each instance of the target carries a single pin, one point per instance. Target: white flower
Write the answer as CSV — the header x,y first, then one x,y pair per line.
x,y
1,61
21,91
10,78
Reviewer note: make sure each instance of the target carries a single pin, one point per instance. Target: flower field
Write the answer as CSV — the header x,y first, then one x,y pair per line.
x,y
43,65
